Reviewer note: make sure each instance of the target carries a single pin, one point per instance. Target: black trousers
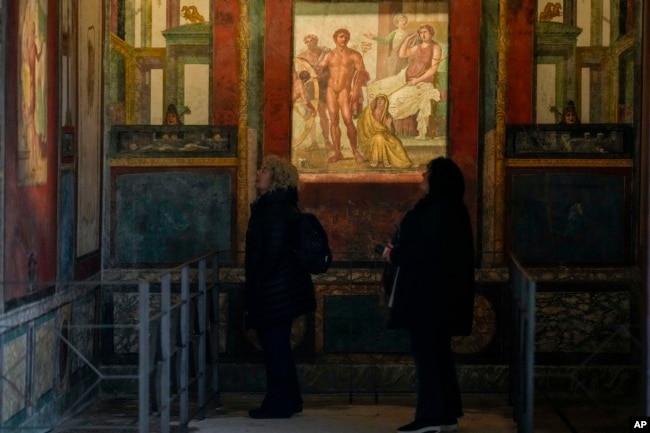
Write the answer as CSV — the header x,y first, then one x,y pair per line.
x,y
282,388
438,399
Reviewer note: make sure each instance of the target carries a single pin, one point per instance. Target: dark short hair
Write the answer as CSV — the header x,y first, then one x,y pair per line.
x,y
445,178
428,27
339,31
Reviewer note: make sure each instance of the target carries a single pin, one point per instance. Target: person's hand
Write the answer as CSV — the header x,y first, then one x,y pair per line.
x,y
369,35
354,96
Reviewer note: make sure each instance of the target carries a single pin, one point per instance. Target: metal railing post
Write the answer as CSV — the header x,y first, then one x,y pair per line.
x,y
165,352
143,358
185,349
217,324
201,305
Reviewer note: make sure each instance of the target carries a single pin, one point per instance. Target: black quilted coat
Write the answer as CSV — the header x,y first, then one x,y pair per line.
x,y
277,287
435,255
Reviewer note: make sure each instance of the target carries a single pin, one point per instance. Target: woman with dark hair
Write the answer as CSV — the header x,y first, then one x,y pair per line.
x,y
278,288
433,293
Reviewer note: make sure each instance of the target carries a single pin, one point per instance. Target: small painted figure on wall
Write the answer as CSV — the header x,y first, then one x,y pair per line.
x,y
172,117
550,11
191,14
570,115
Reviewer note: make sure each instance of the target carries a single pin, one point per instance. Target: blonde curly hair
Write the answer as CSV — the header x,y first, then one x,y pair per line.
x,y
283,173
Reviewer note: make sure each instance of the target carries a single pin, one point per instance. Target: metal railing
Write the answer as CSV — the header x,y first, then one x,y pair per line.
x,y
522,361
524,385
170,338
195,321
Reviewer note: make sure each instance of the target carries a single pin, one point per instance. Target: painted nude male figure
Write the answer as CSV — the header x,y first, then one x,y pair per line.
x,y
347,74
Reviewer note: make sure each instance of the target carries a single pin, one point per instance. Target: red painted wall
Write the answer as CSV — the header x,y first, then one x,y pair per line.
x,y
277,82
30,212
225,104
520,62
357,216
464,93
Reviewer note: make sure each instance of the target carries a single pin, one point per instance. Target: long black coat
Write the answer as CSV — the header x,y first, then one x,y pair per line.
x,y
277,287
435,255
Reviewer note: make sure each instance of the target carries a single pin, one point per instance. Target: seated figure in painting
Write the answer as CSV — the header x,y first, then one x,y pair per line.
x,y
412,91
377,138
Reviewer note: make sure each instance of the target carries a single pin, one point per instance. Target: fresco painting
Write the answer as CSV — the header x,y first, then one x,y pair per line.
x,y
584,56
161,55
32,115
89,49
369,86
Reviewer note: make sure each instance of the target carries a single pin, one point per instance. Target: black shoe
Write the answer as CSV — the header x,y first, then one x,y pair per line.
x,y
297,408
268,413
419,427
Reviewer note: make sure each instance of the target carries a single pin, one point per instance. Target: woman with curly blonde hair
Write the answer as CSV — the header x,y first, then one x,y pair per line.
x,y
278,288
282,173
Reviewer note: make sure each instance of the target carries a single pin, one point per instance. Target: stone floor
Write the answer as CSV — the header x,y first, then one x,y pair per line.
x,y
484,413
